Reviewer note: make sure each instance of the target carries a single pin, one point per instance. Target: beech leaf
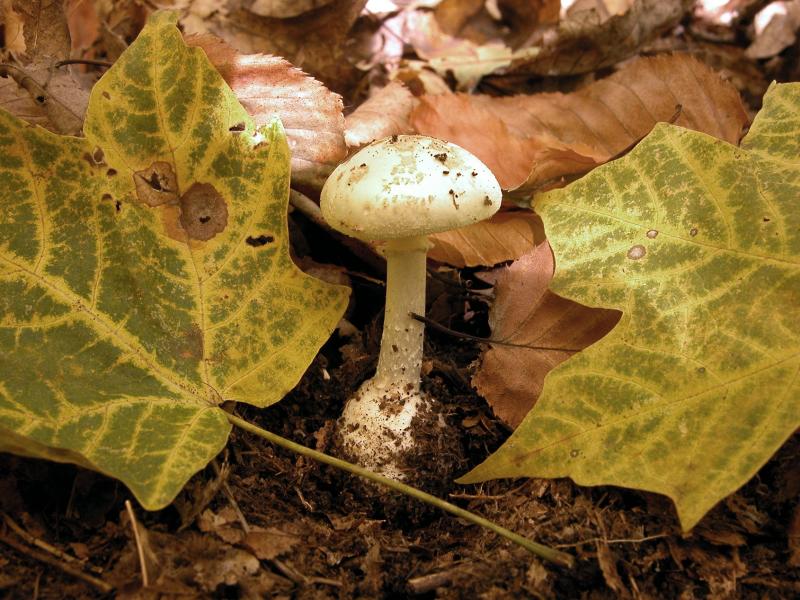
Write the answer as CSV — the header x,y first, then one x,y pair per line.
x,y
269,86
526,313
145,275
533,142
506,236
697,242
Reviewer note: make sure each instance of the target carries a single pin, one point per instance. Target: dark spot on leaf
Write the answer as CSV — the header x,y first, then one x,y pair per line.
x,y
636,252
236,128
445,172
157,184
204,212
118,205
99,156
693,231
111,172
766,219
441,157
394,139
474,173
487,201
258,241
362,165
453,197
40,99
106,95
574,453
106,197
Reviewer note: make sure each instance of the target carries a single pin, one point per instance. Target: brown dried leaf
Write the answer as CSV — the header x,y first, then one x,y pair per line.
x,y
465,60
51,99
284,9
83,23
526,312
385,113
314,41
13,28
600,37
775,27
531,142
506,236
268,86
44,26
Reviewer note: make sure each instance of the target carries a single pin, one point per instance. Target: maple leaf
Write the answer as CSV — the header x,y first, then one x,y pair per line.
x,y
697,242
145,273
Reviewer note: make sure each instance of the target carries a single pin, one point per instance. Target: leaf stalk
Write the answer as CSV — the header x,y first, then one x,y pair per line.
x,y
544,552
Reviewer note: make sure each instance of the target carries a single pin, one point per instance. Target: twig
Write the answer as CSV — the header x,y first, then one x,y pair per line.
x,y
617,541
34,541
439,327
555,556
429,583
308,207
59,564
83,61
138,540
226,489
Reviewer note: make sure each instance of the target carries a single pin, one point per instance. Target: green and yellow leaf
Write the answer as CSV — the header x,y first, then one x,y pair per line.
x,y
698,243
145,275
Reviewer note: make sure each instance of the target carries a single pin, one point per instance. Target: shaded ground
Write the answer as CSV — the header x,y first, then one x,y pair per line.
x,y
315,533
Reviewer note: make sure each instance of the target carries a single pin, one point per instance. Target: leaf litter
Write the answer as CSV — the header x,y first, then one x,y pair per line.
x,y
627,541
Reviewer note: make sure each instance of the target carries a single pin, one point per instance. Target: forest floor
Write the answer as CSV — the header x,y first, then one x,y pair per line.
x,y
262,522
319,535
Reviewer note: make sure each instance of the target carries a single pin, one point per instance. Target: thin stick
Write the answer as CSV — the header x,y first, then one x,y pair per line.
x,y
61,565
41,544
439,327
138,540
308,207
84,61
555,556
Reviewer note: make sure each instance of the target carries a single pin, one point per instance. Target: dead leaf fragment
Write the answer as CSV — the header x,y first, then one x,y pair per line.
x,y
271,543
532,142
44,27
384,113
284,9
526,312
313,41
506,236
268,86
600,36
13,28
776,27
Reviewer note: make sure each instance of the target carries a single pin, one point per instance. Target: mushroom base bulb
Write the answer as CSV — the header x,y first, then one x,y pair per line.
x,y
376,427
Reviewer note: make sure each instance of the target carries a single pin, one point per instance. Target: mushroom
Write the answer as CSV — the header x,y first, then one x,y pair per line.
x,y
396,191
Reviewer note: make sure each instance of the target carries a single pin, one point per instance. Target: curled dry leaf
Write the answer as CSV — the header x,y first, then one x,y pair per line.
x,y
467,61
51,99
313,41
33,89
776,27
533,142
44,28
385,113
526,312
592,39
267,86
284,9
506,236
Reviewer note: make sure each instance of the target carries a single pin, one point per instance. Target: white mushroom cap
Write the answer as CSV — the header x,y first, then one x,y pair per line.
x,y
408,185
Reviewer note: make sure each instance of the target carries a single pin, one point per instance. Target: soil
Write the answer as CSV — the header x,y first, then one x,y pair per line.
x,y
314,532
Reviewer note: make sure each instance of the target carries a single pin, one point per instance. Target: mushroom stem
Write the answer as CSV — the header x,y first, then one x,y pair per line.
x,y
400,357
